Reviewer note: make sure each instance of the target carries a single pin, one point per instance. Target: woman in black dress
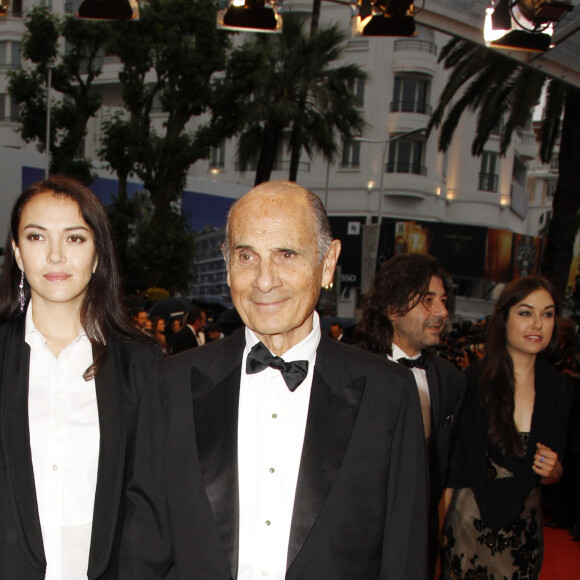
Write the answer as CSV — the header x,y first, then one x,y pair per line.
x,y
510,439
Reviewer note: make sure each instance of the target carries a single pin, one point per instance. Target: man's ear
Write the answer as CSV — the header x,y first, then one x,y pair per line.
x,y
391,313
330,261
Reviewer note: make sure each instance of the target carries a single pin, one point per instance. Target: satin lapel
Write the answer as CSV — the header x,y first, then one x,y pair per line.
x,y
215,403
434,382
332,414
111,461
16,442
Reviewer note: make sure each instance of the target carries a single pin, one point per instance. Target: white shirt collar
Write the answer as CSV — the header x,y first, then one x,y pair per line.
x,y
304,350
400,353
31,333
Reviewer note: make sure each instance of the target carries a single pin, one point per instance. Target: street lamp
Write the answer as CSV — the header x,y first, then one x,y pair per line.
x,y
373,234
385,144
47,148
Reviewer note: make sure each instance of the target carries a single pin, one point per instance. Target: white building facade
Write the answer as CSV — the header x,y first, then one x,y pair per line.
x,y
425,195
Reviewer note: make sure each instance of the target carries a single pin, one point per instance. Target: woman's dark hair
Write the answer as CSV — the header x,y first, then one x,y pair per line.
x,y
101,314
497,381
400,284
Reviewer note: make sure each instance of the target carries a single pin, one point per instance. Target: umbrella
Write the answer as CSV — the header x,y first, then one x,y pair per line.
x,y
170,308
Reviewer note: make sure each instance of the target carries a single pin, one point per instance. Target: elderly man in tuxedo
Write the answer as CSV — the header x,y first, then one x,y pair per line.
x,y
404,316
278,452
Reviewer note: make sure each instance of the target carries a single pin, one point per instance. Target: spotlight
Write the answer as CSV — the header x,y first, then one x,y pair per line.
x,y
523,24
250,15
384,18
106,9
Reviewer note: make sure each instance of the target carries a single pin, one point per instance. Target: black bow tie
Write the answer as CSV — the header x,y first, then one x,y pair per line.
x,y
420,362
293,372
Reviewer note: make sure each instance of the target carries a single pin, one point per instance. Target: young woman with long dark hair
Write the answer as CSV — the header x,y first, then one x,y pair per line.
x,y
510,441
72,368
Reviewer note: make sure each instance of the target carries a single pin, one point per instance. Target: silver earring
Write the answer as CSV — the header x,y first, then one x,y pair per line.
x,y
21,297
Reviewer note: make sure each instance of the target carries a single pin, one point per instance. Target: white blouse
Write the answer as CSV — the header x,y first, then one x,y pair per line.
x,y
64,440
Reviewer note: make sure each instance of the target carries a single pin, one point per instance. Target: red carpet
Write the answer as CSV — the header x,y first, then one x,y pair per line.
x,y
561,556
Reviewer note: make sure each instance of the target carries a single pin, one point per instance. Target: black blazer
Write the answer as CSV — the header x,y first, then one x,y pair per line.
x,y
447,392
118,386
361,499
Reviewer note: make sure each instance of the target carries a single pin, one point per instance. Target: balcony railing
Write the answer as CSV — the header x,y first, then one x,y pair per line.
x,y
278,166
406,168
416,45
488,182
411,107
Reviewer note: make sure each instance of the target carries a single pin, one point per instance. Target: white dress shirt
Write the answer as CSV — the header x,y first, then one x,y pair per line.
x,y
422,386
271,426
64,440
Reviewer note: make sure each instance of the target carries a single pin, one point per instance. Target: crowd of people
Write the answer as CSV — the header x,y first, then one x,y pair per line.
x,y
142,446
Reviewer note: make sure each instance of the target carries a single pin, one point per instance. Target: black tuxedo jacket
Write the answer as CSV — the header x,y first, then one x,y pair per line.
x,y
182,340
447,392
361,500
118,385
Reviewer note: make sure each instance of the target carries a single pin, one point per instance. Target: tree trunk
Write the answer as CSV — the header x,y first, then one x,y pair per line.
x,y
296,144
562,231
122,186
267,153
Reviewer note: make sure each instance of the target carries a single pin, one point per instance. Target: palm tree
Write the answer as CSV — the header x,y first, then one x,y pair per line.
x,y
299,91
485,81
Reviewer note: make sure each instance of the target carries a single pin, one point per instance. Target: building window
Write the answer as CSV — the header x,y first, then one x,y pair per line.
x,y
410,95
13,110
406,156
350,154
488,177
358,89
497,128
15,60
217,156
9,55
2,107
17,8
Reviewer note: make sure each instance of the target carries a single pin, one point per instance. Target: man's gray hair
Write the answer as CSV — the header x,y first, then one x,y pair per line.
x,y
323,231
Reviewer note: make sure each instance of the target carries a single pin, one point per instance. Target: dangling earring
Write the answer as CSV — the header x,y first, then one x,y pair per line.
x,y
21,297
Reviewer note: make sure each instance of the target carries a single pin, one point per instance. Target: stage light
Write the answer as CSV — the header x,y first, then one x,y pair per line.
x,y
106,9
250,15
523,24
384,18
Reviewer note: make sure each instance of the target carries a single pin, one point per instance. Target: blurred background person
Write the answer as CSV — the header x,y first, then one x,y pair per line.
x,y
72,369
191,335
141,318
158,330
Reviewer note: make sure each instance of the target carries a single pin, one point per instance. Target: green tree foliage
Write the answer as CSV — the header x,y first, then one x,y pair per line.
x,y
157,252
174,68
73,74
299,89
496,88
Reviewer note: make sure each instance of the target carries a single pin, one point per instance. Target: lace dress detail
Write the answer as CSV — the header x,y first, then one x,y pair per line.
x,y
472,551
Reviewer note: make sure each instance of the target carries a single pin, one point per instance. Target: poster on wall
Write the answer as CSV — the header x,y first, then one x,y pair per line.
x,y
498,255
526,256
